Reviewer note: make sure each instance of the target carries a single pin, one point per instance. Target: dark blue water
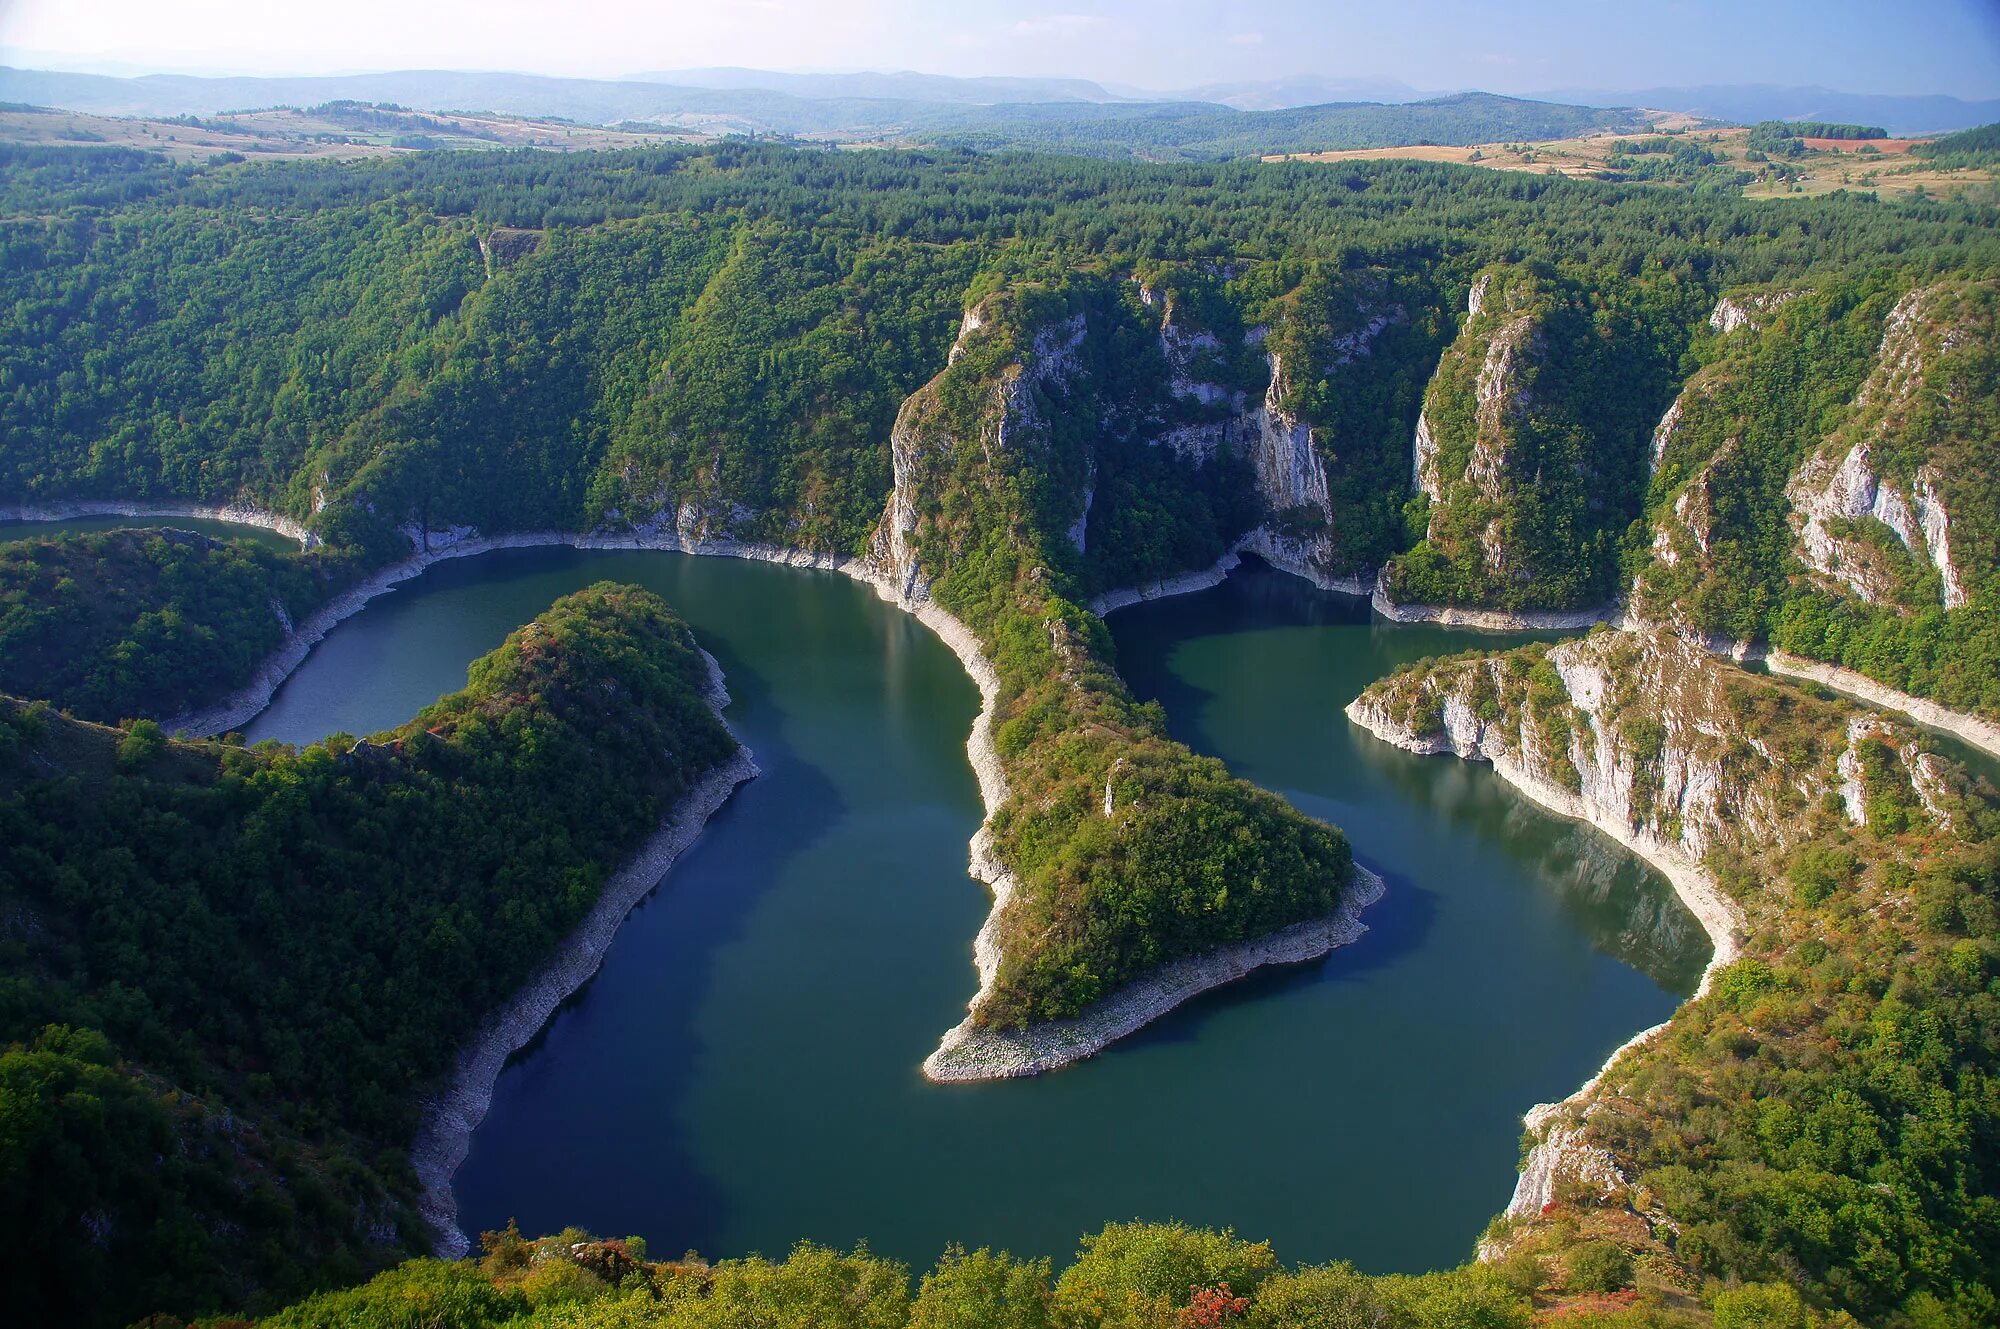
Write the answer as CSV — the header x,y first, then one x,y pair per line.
x,y
743,1072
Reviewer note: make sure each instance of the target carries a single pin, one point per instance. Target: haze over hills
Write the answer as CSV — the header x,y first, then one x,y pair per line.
x,y
1903,116
910,105
900,85
1157,130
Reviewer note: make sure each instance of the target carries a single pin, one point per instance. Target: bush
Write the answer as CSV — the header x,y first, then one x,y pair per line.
x,y
1597,1266
1761,1306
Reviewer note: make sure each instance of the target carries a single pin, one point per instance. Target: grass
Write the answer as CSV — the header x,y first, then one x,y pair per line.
x,y
282,134
1827,166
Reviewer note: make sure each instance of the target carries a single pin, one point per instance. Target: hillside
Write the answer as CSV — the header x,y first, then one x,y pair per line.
x,y
131,624
1015,387
231,974
1831,1089
990,114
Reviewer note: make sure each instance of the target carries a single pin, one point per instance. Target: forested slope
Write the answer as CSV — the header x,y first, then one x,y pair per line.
x,y
1829,480
132,624
226,974
1828,1113
1127,850
1011,384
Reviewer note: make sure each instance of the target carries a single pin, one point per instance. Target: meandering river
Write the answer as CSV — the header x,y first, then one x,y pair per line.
x,y
743,1071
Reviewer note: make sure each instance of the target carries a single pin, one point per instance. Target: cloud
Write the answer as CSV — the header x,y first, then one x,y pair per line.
x,y
1246,39
1059,25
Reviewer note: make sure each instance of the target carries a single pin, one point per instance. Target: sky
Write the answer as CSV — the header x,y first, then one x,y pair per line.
x,y
1513,46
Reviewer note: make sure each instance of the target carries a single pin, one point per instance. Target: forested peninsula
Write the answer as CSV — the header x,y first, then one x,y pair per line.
x,y
1006,389
233,975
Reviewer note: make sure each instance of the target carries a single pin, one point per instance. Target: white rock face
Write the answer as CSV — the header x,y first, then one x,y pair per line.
x,y
1663,433
1828,487
1845,482
1704,789
1746,311
1423,461
1475,299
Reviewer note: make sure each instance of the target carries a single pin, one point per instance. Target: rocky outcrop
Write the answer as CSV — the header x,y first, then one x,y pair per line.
x,y
1291,478
1841,489
1746,310
1828,490
1526,455
1635,733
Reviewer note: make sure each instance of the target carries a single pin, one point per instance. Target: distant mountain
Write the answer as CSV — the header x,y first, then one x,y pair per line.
x,y
1300,90
1748,103
1154,130
901,85
1197,131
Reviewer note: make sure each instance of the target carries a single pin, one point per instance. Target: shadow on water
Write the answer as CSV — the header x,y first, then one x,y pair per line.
x,y
661,962
1397,926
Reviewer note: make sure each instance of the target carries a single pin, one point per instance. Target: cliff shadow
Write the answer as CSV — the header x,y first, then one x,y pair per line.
x,y
588,1123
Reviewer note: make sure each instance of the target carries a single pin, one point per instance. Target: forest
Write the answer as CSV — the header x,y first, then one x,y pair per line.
x,y
1828,1114
769,343
127,625
245,965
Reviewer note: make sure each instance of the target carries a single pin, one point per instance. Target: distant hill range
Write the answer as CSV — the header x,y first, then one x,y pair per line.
x,y
1221,120
1904,117
846,109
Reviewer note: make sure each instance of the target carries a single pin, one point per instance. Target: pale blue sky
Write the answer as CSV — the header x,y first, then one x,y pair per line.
x,y
1949,46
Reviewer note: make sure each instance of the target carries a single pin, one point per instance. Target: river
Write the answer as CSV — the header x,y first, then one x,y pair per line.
x,y
742,1073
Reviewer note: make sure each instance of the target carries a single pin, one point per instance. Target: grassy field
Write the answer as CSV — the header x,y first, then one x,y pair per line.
x,y
337,131
1827,164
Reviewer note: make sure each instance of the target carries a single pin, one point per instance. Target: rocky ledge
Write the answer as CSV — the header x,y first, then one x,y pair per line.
x,y
1489,620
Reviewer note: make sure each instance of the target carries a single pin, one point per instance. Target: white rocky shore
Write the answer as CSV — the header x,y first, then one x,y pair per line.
x,y
971,1053
229,512
1185,583
1488,620
1560,1150
451,1117
1981,734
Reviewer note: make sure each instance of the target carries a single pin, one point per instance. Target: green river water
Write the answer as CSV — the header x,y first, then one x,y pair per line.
x,y
743,1071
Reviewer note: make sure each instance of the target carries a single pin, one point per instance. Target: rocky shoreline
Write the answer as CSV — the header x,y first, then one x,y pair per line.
x,y
1489,620
451,1117
1185,583
1971,729
969,1053
234,513
1560,1150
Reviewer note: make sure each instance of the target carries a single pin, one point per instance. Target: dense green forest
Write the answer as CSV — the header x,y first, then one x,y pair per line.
x,y
1829,1113
770,344
1127,1276
130,624
1968,147
229,973
1538,419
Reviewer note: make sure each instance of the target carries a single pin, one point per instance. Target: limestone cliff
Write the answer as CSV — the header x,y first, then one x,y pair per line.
x,y
1725,781
1825,469
1529,454
1882,475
